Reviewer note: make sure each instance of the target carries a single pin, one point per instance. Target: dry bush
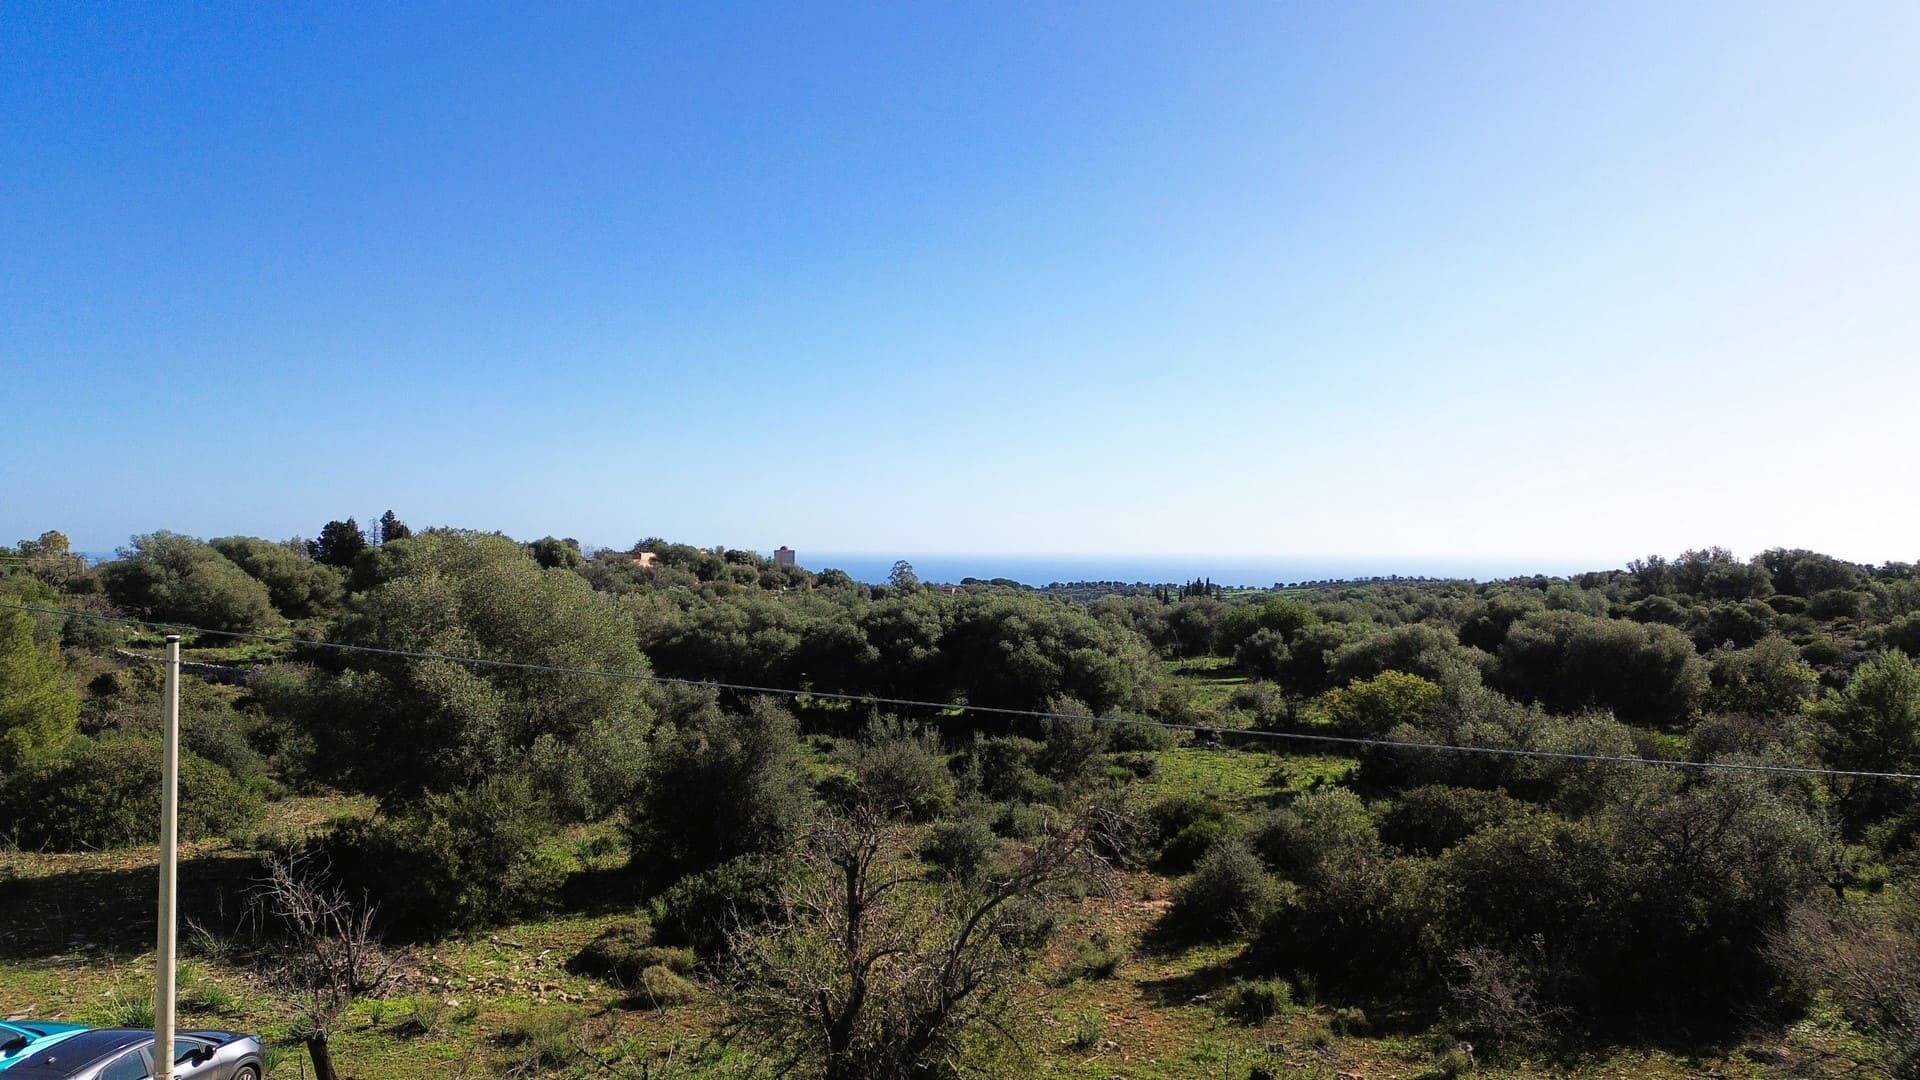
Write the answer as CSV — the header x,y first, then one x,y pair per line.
x,y
871,970
325,953
1869,962
1496,997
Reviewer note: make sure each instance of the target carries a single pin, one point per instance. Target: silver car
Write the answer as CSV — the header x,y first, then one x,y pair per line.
x,y
127,1054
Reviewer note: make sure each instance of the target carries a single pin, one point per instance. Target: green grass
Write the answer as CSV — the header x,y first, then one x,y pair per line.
x,y
1243,780
1209,680
123,1007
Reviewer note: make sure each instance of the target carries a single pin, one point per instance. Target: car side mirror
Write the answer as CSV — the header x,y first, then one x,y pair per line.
x,y
17,1043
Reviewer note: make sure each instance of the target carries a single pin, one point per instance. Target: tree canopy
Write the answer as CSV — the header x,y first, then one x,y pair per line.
x,y
174,578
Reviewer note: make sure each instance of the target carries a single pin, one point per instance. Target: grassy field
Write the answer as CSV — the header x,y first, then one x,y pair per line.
x,y
1208,680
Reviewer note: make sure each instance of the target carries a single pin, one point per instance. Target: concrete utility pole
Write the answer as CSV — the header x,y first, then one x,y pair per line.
x,y
169,857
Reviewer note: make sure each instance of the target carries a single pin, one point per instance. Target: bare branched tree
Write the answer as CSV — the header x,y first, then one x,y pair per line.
x,y
325,951
873,970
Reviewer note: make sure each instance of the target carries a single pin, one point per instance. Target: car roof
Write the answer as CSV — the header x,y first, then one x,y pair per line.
x,y
80,1050
87,1047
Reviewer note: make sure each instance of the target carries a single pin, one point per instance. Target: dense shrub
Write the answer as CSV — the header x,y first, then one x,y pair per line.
x,y
1321,825
721,785
1428,651
1003,769
959,848
1477,716
399,728
217,733
1020,821
1837,604
1228,893
454,861
1375,706
1904,634
1282,617
700,911
296,585
1350,1020
1182,827
1070,748
1264,703
596,773
38,707
105,793
1658,905
1143,737
1659,609
1168,815
904,775
625,950
1263,654
1644,672
1355,925
1745,736
1023,652
1184,849
1768,679
1736,624
1255,1001
1429,820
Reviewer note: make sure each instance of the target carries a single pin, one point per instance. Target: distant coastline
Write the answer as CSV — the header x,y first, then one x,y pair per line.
x,y
1234,571
1231,571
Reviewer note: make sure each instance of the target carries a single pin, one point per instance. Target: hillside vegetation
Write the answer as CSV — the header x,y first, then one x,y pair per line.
x,y
1092,831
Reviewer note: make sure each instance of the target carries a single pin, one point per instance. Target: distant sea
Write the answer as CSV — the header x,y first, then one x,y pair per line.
x,y
1231,570
1248,571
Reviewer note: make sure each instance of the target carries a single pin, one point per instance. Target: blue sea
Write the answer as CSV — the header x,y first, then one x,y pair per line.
x,y
1230,570
1248,571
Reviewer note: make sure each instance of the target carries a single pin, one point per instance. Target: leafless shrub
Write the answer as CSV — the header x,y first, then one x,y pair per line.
x,y
874,970
324,953
1496,997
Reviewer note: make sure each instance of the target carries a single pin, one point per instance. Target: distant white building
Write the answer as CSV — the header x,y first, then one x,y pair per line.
x,y
783,556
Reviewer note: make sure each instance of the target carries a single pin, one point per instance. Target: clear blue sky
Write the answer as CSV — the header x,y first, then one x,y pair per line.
x,y
1330,278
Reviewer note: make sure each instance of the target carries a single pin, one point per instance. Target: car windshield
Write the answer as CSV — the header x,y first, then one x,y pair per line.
x,y
82,1049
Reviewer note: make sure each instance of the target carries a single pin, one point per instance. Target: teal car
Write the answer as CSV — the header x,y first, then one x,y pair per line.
x,y
22,1038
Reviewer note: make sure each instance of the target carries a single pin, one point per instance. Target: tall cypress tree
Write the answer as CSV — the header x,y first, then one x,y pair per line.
x,y
392,528
340,543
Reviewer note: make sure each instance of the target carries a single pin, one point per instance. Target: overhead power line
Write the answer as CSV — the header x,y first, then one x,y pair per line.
x,y
1355,741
